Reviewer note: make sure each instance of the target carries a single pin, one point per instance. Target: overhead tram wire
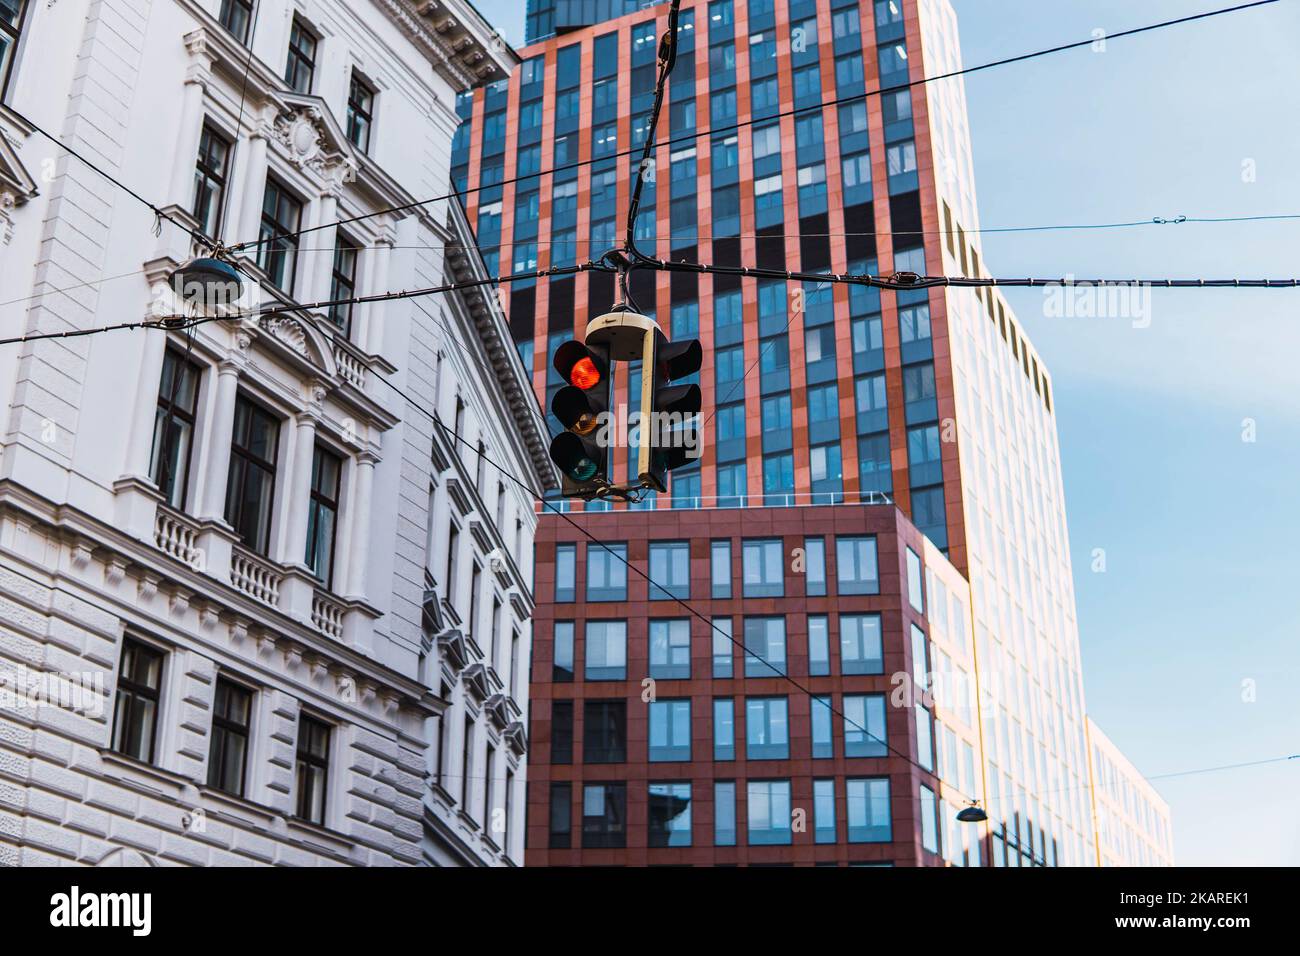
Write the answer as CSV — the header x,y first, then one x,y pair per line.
x,y
159,213
1223,767
248,64
1050,227
1176,774
64,290
794,111
895,283
1062,227
181,322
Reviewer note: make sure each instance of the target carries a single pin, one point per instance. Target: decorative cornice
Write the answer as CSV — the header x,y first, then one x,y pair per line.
x,y
466,265
458,42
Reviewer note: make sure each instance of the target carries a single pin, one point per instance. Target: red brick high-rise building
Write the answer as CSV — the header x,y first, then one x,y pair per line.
x,y
821,401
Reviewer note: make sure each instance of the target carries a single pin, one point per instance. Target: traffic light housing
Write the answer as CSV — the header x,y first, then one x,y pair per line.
x,y
581,451
665,443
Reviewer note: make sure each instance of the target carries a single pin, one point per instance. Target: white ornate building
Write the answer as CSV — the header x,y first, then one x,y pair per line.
x,y
255,606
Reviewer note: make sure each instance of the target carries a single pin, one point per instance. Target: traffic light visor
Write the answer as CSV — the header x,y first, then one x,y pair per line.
x,y
680,359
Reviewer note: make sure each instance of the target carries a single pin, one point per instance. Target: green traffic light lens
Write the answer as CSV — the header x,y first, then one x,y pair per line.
x,y
584,469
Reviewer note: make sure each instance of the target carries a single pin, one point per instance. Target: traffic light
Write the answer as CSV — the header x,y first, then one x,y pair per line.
x,y
581,451
671,438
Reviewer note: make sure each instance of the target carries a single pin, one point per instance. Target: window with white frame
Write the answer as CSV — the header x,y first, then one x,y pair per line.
x,y
312,767
211,177
343,282
237,16
137,701
277,252
173,431
232,710
301,65
361,111
323,513
250,489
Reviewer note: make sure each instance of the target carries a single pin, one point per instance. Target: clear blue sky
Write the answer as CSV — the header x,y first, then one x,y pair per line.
x,y
1199,527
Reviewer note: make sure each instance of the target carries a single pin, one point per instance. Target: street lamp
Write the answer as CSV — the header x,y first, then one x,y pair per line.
x,y
207,284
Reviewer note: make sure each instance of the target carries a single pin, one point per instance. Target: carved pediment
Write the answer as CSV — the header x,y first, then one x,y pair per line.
x,y
432,608
16,187
451,644
517,737
301,338
498,710
476,681
315,141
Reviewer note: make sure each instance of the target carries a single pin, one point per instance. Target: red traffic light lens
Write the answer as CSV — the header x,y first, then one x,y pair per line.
x,y
584,374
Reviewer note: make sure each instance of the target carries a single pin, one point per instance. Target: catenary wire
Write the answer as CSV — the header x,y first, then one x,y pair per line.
x,y
900,282
1061,227
159,214
64,290
179,322
248,64
1229,766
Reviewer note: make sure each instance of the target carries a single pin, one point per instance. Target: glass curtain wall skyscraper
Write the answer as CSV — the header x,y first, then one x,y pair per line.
x,y
814,394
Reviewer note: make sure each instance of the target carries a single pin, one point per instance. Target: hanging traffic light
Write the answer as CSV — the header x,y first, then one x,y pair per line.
x,y
581,451
669,414
670,439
